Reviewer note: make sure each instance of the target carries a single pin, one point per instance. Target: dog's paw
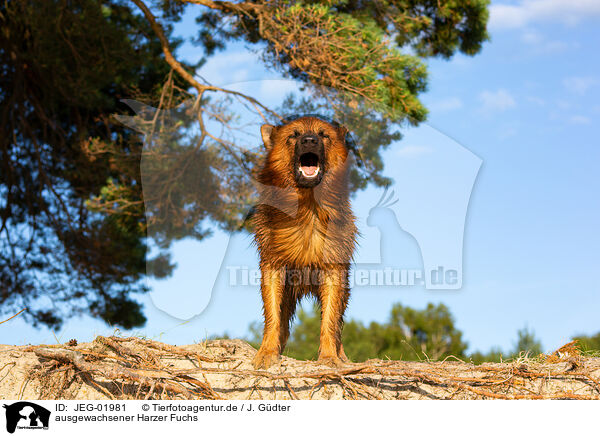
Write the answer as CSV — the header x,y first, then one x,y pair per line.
x,y
332,361
265,359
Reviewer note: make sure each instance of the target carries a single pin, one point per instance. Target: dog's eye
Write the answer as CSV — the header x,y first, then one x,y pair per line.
x,y
322,134
295,134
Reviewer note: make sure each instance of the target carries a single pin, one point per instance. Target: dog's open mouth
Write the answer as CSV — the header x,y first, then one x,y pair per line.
x,y
309,165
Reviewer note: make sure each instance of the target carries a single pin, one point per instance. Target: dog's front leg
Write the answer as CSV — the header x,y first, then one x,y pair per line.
x,y
272,283
333,295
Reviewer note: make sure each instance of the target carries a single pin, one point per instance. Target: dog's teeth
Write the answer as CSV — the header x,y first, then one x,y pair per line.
x,y
311,175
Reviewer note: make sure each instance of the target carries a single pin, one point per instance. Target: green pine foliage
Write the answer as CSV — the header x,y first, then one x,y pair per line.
x,y
64,66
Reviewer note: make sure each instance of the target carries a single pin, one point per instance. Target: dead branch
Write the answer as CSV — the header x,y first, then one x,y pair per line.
x,y
14,316
143,377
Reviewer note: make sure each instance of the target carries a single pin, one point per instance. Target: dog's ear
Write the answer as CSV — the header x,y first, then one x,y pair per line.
x,y
266,131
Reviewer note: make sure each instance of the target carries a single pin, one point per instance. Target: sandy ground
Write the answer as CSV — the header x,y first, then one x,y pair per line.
x,y
128,368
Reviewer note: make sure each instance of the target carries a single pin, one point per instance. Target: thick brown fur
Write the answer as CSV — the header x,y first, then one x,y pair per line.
x,y
305,237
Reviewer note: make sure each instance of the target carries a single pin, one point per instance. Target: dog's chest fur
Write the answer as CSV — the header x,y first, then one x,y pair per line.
x,y
301,240
311,238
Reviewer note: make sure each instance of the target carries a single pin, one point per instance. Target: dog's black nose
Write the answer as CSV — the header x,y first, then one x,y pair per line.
x,y
309,140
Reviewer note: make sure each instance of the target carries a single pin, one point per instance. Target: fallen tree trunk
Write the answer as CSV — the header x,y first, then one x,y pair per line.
x,y
134,368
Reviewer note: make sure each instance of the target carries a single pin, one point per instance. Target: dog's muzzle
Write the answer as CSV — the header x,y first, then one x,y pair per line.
x,y
310,161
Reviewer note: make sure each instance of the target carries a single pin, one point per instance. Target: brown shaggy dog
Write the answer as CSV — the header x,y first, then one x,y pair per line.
x,y
305,232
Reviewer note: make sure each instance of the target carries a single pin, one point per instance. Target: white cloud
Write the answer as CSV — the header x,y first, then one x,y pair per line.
x,y
555,47
579,85
278,88
536,100
235,70
447,104
499,100
541,45
532,37
508,132
512,16
412,151
579,119
240,75
564,105
507,16
227,68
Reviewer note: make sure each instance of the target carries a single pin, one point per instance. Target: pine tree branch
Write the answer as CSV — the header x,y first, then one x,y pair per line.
x,y
245,7
176,65
158,29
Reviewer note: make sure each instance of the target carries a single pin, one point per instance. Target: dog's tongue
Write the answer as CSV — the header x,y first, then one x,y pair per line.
x,y
309,170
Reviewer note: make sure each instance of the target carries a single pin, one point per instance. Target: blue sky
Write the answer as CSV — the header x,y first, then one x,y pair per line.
x,y
527,107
